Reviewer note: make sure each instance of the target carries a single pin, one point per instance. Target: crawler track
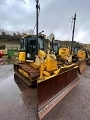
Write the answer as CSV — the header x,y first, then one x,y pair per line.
x,y
31,74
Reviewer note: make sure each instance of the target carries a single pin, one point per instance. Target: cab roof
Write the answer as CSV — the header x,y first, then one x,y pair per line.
x,y
29,35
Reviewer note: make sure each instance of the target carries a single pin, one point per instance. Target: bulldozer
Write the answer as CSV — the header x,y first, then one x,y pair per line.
x,y
38,65
78,55
28,60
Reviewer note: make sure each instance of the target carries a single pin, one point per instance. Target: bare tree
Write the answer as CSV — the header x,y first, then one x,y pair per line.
x,y
3,32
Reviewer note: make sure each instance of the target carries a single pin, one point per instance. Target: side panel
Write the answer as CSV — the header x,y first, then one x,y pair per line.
x,y
22,56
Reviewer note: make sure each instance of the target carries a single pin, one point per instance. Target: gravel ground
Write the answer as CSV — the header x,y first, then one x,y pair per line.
x,y
19,102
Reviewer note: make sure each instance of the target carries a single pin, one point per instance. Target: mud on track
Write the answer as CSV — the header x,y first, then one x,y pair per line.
x,y
19,102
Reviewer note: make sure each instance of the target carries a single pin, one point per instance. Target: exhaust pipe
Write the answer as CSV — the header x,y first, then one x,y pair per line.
x,y
73,32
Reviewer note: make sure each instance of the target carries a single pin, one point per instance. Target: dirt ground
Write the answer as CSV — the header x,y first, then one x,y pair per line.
x,y
19,102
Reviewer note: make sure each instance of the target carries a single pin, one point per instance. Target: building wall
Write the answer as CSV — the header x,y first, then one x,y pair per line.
x,y
11,47
87,46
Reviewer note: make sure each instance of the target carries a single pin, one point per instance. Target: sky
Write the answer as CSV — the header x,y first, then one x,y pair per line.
x,y
54,17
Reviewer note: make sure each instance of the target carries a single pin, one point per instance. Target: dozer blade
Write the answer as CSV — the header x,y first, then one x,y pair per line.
x,y
82,65
51,91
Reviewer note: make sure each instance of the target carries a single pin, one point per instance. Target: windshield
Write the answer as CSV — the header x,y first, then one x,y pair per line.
x,y
75,50
56,48
31,47
23,43
31,42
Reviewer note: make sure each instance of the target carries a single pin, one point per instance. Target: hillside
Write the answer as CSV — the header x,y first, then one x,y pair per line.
x,y
7,39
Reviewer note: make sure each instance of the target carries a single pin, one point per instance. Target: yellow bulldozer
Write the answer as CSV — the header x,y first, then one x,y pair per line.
x,y
29,61
79,55
38,65
41,67
64,54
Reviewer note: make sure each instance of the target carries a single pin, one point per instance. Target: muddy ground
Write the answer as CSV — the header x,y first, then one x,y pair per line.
x,y
19,102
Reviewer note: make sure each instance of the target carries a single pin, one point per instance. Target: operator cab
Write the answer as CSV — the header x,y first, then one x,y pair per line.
x,y
56,48
29,46
75,49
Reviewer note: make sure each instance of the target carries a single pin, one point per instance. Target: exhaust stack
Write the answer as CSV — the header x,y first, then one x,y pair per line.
x,y
74,20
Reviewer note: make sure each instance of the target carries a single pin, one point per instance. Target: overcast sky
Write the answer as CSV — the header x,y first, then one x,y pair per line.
x,y
54,17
